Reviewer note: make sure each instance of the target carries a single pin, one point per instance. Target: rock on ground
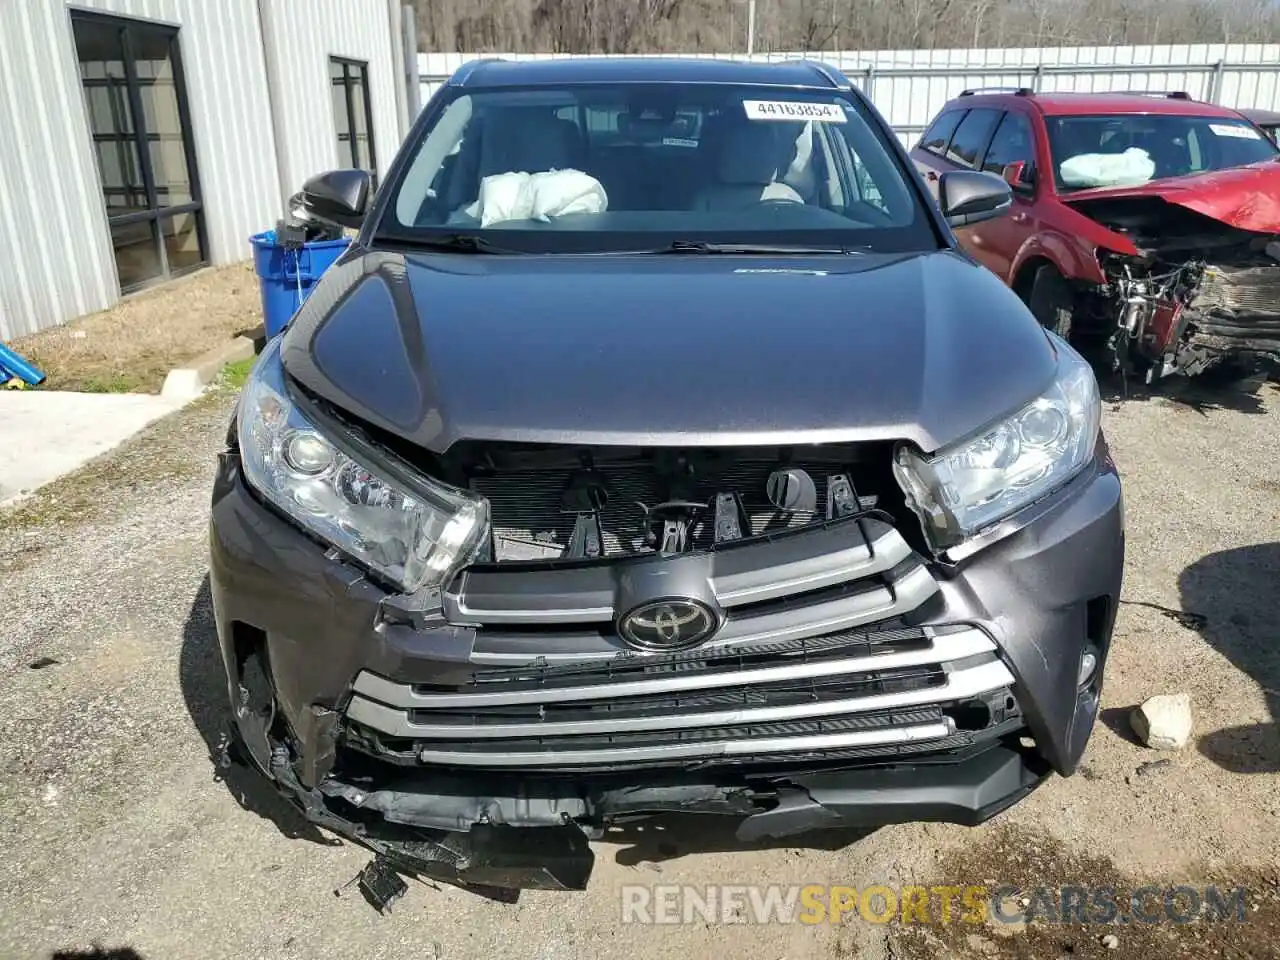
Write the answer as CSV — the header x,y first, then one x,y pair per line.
x,y
1164,722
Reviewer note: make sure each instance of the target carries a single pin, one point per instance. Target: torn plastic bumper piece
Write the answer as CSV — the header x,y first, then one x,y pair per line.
x,y
446,829
484,858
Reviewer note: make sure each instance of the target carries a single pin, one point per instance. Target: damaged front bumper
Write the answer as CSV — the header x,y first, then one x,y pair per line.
x,y
345,705
1199,294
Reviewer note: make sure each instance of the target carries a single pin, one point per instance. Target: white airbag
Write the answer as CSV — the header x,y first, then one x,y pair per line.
x,y
1126,169
537,196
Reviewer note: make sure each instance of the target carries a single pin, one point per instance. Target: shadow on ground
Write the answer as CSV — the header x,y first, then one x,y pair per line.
x,y
672,836
1237,593
1199,394
97,953
204,688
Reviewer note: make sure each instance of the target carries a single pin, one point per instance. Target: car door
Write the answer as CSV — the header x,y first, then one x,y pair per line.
x,y
927,155
1011,156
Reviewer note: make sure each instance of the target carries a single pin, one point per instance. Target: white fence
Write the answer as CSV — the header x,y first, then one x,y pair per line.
x,y
910,86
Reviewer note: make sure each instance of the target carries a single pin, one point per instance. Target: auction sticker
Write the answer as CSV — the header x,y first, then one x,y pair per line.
x,y
1235,130
793,110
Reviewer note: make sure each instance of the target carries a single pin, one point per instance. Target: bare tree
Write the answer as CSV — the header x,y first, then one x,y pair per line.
x,y
718,26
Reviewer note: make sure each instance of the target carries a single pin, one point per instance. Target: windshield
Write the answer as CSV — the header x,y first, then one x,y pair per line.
x,y
1122,150
602,167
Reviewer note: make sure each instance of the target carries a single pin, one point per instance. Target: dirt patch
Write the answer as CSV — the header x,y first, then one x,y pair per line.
x,y
130,348
1043,901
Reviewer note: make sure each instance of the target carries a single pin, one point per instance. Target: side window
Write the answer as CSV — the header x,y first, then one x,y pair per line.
x,y
1012,143
938,135
971,137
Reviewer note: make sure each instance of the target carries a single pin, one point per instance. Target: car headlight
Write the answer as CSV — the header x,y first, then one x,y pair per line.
x,y
968,487
410,530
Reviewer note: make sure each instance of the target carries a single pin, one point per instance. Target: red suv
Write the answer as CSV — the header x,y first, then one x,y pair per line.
x,y
1149,224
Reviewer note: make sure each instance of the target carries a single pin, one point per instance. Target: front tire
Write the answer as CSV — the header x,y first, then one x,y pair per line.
x,y
1052,301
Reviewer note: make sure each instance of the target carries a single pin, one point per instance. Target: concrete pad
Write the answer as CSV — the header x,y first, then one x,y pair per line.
x,y
45,434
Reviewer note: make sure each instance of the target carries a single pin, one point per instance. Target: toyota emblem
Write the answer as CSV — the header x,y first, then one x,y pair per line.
x,y
668,624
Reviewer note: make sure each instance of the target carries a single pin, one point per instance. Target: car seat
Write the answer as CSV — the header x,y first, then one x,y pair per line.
x,y
746,171
529,141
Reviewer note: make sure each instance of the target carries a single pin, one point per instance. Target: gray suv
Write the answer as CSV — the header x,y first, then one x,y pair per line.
x,y
654,448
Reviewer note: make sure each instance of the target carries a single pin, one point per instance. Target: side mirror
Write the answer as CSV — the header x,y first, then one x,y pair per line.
x,y
1012,173
338,196
970,196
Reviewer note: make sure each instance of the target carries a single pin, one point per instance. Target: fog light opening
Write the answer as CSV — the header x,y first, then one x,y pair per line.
x,y
1088,666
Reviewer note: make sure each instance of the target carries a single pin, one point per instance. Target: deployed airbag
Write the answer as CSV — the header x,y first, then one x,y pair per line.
x,y
1132,167
537,196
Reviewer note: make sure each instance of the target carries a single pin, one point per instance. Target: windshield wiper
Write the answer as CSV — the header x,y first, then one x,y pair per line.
x,y
707,246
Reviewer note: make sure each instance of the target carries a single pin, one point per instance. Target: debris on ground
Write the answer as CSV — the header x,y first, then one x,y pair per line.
x,y
1111,941
1163,722
1185,618
379,884
39,663
1153,766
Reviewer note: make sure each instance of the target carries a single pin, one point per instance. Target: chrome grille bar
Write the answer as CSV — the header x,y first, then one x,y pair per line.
x,y
956,646
961,684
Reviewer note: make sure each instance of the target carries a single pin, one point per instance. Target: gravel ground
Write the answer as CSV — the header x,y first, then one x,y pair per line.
x,y
115,832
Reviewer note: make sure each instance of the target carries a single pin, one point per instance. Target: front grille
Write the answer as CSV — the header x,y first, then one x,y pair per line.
x,y
529,522
816,654
850,693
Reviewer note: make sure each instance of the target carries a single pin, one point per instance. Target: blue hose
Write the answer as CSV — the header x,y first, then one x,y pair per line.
x,y
16,366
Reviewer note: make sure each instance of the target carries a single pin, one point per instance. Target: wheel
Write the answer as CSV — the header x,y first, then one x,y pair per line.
x,y
1052,302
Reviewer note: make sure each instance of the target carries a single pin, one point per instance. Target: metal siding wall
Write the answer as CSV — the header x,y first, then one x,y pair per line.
x,y
909,86
57,261
50,190
301,36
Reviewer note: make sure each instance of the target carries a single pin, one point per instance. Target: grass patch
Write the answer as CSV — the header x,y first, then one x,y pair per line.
x,y
235,374
113,383
130,347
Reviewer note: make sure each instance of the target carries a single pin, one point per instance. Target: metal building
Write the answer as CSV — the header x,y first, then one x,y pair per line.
x,y
143,139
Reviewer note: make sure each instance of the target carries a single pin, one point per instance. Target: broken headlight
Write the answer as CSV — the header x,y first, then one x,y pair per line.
x,y
410,530
968,487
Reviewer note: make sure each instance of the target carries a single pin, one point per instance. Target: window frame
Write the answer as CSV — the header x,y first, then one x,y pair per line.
x,y
1022,187
961,113
349,65
983,145
142,139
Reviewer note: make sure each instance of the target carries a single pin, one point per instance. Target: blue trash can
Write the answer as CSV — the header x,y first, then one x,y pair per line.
x,y
286,275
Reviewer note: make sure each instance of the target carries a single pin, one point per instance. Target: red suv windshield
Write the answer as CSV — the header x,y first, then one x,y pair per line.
x,y
1123,149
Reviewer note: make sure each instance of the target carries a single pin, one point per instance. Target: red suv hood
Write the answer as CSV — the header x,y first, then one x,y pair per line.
x,y
1244,197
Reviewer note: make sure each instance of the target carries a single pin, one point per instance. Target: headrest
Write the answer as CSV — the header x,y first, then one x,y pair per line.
x,y
752,153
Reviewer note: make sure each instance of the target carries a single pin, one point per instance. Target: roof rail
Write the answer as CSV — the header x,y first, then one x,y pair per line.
x,y
1170,94
1016,91
826,71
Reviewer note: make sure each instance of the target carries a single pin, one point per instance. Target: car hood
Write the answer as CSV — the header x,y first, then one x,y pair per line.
x,y
667,350
1247,198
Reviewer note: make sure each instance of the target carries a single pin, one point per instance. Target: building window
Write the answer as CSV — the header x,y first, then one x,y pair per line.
x,y
352,114
136,100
